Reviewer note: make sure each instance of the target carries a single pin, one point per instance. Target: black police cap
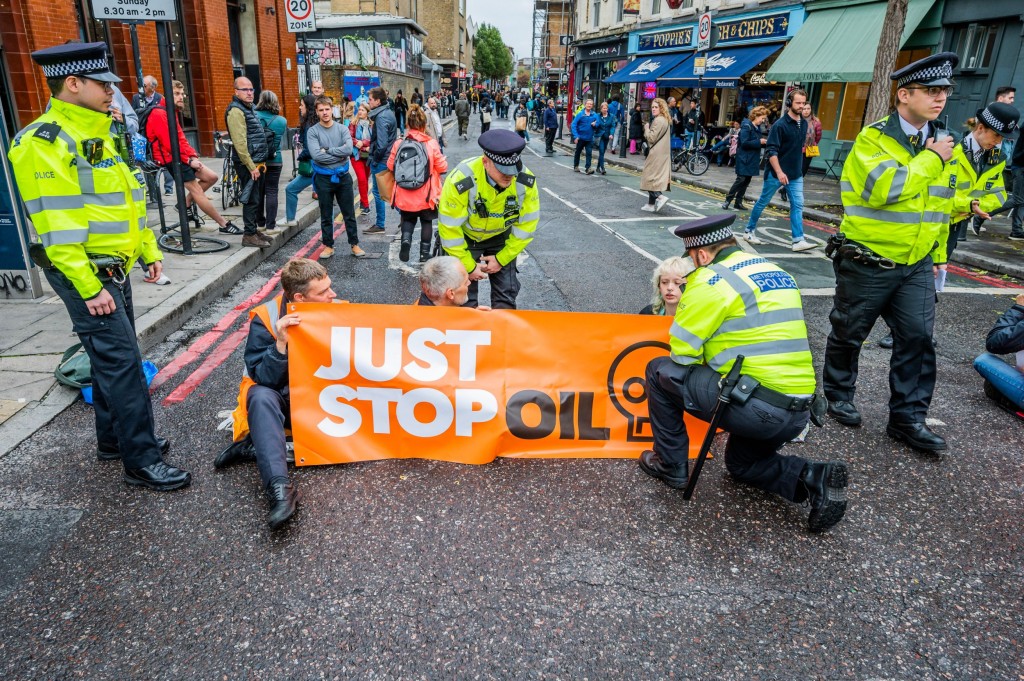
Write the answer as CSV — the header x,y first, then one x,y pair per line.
x,y
76,59
503,147
706,231
935,69
1002,118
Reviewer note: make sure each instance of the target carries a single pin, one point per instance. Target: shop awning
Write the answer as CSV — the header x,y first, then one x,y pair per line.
x,y
724,67
839,44
646,68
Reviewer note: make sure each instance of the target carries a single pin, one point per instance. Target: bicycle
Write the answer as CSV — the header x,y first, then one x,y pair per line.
x,y
693,158
230,186
199,244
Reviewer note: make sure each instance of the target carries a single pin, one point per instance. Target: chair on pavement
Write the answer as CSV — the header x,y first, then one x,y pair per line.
x,y
834,165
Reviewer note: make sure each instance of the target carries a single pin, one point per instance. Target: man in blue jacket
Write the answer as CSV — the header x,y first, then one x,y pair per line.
x,y
583,126
550,126
382,138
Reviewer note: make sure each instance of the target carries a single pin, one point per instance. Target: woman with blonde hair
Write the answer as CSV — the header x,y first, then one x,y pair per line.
x,y
657,173
668,282
359,129
420,203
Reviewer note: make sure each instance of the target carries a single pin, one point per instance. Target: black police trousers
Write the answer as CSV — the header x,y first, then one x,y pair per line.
x,y
117,377
757,430
504,283
905,299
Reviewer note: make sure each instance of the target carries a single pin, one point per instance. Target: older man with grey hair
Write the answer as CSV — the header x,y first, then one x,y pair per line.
x,y
444,282
434,127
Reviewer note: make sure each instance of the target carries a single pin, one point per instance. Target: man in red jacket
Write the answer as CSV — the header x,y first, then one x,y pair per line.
x,y
196,176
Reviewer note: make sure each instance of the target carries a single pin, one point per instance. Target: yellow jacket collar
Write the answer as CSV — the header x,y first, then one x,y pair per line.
x,y
83,120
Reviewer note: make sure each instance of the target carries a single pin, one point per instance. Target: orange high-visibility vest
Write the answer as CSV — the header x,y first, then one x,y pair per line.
x,y
268,313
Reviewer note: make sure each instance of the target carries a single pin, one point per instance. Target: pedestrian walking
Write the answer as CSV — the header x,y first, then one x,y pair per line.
x,y
550,127
268,110
304,172
736,305
485,115
636,129
583,128
656,176
813,138
330,145
462,115
359,131
417,189
382,135
896,200
748,157
85,254
434,126
249,152
785,169
521,116
401,108
603,135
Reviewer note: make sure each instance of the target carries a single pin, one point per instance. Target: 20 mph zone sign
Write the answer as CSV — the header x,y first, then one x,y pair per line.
x,y
300,16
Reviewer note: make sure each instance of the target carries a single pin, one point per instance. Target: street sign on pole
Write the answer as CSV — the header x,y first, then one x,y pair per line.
x,y
122,10
704,33
548,64
300,16
699,65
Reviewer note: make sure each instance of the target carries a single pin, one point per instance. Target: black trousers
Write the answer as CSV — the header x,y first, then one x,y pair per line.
x,y
504,282
117,377
327,193
582,145
253,197
268,415
549,140
738,189
757,430
426,219
905,298
266,210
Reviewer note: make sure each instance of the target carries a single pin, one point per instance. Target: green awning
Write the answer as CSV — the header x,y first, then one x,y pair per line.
x,y
839,44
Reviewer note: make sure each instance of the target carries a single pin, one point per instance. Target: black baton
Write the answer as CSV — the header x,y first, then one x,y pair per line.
x,y
724,398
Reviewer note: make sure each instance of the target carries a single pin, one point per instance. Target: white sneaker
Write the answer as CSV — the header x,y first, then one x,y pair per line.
x,y
647,208
803,245
660,202
292,223
164,280
752,238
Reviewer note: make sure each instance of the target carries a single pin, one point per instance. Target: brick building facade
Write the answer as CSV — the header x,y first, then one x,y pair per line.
x,y
212,42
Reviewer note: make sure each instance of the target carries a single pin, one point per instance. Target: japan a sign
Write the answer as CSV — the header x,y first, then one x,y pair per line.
x,y
704,33
134,10
300,16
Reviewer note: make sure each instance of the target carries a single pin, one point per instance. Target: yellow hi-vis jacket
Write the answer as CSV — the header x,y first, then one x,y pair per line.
x,y
745,305
985,187
80,208
895,202
516,208
269,313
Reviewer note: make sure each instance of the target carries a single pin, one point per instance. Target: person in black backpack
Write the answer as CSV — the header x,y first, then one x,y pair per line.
x,y
249,151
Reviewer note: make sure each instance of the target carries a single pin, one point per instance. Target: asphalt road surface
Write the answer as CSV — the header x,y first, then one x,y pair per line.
x,y
575,568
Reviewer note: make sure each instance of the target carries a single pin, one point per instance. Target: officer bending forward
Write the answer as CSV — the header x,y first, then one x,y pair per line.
x,y
737,304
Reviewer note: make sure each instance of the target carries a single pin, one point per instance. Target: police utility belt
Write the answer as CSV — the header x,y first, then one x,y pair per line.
x,y
108,267
747,387
838,247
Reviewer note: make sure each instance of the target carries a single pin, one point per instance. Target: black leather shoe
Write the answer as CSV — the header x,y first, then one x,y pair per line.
x,y
844,412
236,452
673,476
158,476
917,435
825,484
886,342
740,206
284,499
113,452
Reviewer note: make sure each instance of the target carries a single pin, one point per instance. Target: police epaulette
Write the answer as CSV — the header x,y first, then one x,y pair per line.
x,y
48,132
528,180
465,184
878,125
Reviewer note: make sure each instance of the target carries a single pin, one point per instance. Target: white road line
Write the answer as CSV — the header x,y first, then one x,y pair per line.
x,y
673,219
563,165
393,261
605,227
693,214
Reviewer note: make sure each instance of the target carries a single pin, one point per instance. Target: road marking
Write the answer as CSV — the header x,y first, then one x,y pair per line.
x,y
605,227
393,261
673,219
693,215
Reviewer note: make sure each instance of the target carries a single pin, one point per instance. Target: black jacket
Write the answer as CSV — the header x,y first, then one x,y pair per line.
x,y
383,135
265,365
636,125
1008,334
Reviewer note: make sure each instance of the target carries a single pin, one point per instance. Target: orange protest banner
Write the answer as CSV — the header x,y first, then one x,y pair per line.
x,y
372,382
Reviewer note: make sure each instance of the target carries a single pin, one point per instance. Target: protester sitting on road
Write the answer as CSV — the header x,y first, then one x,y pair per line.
x,y
656,176
304,173
268,111
668,282
1004,383
263,410
748,156
417,203
359,130
636,129
196,176
331,148
444,282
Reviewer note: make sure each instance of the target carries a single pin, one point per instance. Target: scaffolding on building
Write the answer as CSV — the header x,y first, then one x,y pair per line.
x,y
554,27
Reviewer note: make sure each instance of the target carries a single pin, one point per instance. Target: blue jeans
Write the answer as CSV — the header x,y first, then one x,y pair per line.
x,y
601,147
795,189
1006,378
291,195
378,203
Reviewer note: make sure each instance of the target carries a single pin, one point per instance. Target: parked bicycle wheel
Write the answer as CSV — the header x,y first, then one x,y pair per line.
x,y
697,164
225,183
678,159
200,244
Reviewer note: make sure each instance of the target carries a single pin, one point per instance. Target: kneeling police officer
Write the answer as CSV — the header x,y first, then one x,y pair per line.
x,y
738,304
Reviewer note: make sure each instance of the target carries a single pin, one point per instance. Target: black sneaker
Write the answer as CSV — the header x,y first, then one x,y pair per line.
x,y
374,229
825,484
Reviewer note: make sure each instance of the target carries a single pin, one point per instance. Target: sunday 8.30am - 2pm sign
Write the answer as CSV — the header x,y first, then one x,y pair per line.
x,y
371,382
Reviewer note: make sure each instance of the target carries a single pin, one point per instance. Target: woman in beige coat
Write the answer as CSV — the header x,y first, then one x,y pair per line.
x,y
657,174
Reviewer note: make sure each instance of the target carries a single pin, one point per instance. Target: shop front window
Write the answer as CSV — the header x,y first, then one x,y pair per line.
x,y
618,10
974,44
855,101
597,13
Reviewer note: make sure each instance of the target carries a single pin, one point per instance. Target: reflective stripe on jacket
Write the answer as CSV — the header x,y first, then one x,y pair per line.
x,y
78,208
895,202
458,219
745,305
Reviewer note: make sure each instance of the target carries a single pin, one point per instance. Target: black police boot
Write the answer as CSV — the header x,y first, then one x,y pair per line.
x,y
886,342
740,205
844,412
917,435
108,452
424,251
284,499
673,476
159,476
825,485
236,452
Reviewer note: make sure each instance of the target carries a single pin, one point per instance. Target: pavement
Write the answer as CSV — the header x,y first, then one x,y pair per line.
x,y
991,251
31,346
